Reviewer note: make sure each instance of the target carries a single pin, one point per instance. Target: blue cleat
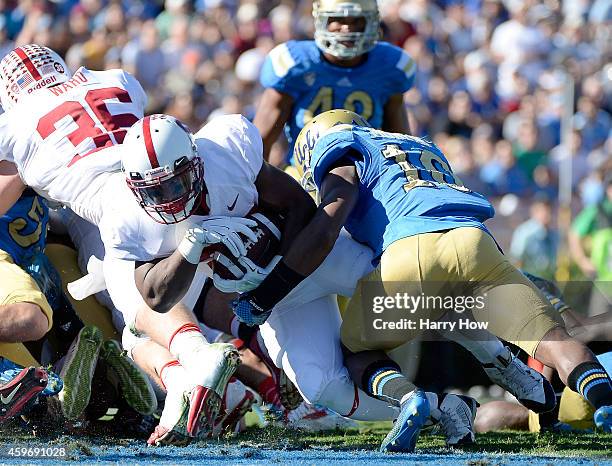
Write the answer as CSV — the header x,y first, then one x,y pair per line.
x,y
603,418
405,432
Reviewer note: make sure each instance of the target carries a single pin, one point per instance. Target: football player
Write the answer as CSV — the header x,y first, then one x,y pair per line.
x,y
302,335
572,412
345,66
61,132
398,194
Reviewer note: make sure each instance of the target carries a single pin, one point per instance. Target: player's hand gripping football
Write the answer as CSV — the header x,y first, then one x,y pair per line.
x,y
253,276
217,229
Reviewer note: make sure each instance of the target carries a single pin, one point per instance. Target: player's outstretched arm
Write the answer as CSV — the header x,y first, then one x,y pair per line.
x,y
272,113
11,186
339,192
308,250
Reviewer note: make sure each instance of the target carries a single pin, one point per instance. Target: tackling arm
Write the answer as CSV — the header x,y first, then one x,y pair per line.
x,y
11,186
340,190
308,250
281,193
272,114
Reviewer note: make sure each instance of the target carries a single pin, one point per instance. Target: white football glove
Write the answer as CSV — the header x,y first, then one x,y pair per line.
x,y
250,280
217,229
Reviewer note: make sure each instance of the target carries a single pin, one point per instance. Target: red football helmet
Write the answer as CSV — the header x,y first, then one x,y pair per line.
x,y
162,168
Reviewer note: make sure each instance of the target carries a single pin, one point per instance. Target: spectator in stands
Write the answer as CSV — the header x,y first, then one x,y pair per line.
x,y
535,242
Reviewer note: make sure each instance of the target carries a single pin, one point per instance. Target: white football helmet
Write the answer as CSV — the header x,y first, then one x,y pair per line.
x,y
162,168
335,43
28,68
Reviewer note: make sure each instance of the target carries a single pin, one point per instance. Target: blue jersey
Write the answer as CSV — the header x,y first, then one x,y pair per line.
x,y
23,229
297,68
406,186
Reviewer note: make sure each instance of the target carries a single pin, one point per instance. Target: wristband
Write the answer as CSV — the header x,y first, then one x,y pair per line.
x,y
191,249
276,286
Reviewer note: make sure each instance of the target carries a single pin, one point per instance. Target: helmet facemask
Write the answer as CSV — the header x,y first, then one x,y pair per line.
x,y
335,43
169,196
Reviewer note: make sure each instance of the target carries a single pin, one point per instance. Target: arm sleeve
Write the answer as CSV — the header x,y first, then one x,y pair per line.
x,y
331,148
278,71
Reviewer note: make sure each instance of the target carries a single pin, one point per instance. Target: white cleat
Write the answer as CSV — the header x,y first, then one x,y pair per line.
x,y
317,419
529,387
192,408
455,415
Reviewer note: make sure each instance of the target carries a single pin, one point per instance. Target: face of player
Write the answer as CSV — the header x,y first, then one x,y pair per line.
x,y
346,24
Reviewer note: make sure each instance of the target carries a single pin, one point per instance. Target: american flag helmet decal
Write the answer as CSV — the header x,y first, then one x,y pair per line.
x,y
28,68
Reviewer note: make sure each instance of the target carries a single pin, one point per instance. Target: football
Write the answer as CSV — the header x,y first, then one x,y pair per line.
x,y
268,231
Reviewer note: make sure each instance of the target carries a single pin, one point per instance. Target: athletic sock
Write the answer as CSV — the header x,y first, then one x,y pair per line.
x,y
172,373
383,380
592,381
550,418
268,391
185,345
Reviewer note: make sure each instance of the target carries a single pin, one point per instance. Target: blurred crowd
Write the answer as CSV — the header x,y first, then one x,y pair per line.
x,y
489,88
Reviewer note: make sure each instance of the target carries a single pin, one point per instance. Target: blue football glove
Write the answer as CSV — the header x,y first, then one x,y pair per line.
x,y
249,311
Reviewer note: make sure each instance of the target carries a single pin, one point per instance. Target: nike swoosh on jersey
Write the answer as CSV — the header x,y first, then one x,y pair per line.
x,y
231,207
9,398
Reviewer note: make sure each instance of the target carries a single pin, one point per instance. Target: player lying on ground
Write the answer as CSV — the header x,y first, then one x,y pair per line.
x,y
61,133
345,66
397,194
31,283
572,410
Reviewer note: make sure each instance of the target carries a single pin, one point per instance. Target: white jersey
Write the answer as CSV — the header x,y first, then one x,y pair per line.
x,y
54,136
231,150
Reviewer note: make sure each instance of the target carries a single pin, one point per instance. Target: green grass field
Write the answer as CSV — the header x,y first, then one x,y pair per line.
x,y
369,436
596,448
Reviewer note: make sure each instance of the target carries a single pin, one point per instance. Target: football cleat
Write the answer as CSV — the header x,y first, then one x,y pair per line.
x,y
9,370
529,387
290,397
172,427
24,387
455,415
191,409
133,383
78,370
312,418
237,401
603,418
405,432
